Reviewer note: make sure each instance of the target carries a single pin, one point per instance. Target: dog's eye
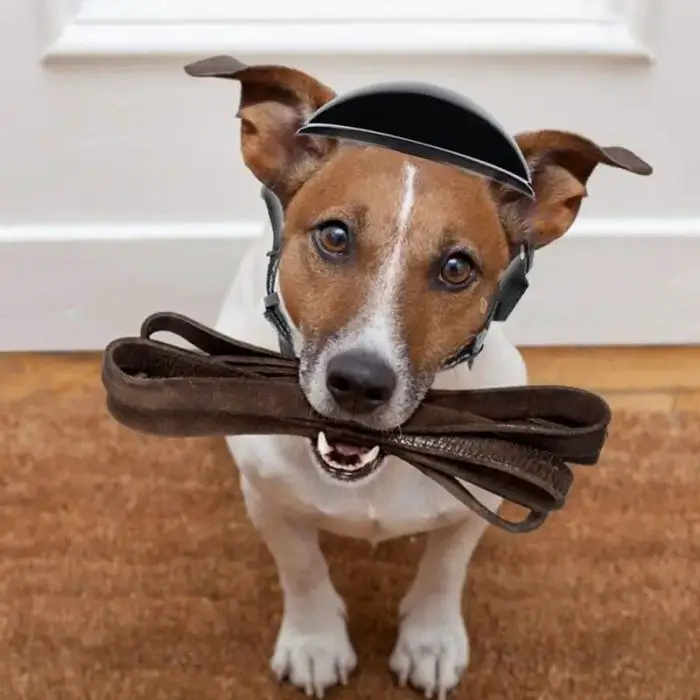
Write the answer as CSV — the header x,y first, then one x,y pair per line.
x,y
332,239
457,270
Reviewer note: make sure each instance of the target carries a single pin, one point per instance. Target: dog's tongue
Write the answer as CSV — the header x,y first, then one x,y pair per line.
x,y
349,450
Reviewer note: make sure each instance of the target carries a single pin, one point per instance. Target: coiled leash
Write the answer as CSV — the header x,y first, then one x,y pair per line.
x,y
515,442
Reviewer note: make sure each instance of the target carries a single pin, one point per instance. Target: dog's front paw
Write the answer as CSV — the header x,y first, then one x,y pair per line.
x,y
316,658
432,651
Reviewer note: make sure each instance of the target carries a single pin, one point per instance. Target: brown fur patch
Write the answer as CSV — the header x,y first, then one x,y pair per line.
x,y
561,164
274,102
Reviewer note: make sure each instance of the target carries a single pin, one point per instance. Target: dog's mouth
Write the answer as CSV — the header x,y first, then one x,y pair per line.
x,y
345,461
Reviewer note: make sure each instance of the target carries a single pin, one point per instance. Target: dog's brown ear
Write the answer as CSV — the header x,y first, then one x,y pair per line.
x,y
560,163
274,103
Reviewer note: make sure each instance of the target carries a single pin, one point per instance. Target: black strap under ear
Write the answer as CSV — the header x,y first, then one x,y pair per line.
x,y
273,312
514,282
513,285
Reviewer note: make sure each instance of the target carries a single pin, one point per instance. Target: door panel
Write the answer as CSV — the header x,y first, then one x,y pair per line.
x,y
122,190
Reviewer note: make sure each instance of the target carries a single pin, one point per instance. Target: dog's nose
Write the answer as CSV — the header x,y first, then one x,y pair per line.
x,y
360,382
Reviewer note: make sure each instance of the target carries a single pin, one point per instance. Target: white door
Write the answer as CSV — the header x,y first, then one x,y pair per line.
x,y
122,191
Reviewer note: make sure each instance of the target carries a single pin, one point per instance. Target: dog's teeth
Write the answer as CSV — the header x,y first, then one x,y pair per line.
x,y
325,449
322,444
370,456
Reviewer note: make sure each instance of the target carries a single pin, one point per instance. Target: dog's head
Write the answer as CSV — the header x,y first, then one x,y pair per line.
x,y
389,262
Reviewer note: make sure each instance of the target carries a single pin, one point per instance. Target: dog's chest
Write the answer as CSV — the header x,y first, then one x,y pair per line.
x,y
398,501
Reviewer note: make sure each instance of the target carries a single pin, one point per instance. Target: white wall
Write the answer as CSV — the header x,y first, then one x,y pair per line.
x,y
122,190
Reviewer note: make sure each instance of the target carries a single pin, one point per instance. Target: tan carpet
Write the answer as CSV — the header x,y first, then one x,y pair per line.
x,y
128,571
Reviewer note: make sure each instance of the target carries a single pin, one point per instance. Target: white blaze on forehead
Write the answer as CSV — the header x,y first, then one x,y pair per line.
x,y
386,286
408,198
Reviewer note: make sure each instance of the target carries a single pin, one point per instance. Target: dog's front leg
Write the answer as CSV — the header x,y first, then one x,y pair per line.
x,y
313,650
432,650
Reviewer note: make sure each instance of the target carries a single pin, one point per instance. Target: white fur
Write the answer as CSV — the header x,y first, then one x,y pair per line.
x,y
289,500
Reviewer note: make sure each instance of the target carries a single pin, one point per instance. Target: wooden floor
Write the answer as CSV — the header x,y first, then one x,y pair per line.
x,y
665,379
653,378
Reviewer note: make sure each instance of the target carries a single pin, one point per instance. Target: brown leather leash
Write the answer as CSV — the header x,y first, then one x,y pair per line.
x,y
516,442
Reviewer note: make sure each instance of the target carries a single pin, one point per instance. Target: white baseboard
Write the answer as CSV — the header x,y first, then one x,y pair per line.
x,y
608,282
77,287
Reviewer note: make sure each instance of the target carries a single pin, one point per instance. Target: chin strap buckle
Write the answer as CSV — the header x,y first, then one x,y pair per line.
x,y
514,283
271,301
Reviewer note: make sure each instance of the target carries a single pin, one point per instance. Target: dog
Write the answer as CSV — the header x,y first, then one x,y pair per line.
x,y
387,268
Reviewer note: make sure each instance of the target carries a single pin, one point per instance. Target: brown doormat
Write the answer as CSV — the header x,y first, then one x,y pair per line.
x,y
128,570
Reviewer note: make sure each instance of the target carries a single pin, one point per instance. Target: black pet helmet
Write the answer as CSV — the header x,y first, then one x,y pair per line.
x,y
425,121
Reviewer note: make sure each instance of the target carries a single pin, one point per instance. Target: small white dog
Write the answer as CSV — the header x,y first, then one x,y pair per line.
x,y
388,266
